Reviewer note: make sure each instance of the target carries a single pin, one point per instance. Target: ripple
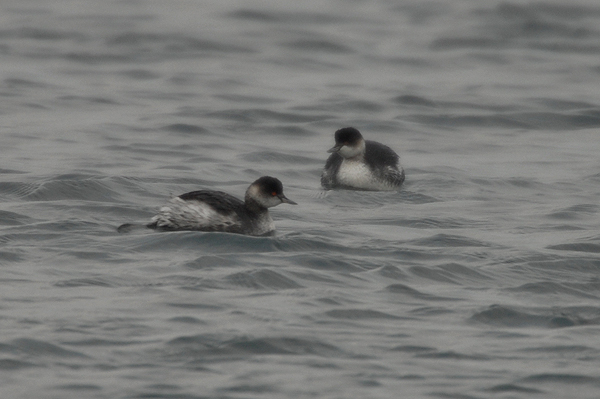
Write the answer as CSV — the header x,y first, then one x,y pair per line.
x,y
187,129
35,347
448,240
413,293
262,279
450,273
360,314
513,388
522,120
13,364
561,378
577,247
207,347
553,288
499,315
71,187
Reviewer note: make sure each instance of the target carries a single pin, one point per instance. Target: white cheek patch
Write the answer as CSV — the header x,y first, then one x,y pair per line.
x,y
349,152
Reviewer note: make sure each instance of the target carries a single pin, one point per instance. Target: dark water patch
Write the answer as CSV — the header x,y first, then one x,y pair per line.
x,y
32,347
413,349
154,151
86,57
7,364
360,314
208,262
113,282
72,188
487,107
429,311
10,171
152,394
522,120
439,223
318,45
13,219
80,100
459,121
452,355
353,105
276,157
575,212
209,243
41,34
413,62
563,349
586,247
92,342
7,256
561,378
405,290
283,345
293,131
413,100
448,240
454,273
187,129
250,389
413,256
204,347
196,306
413,197
524,26
507,388
257,115
248,99
49,230
275,16
170,43
316,277
78,387
10,190
329,263
324,246
18,83
187,320
504,316
569,265
468,42
556,10
518,182
552,288
262,279
86,282
140,74
564,105
392,272
594,177
255,16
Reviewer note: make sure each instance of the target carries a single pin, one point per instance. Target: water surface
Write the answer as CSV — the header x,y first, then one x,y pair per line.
x,y
478,279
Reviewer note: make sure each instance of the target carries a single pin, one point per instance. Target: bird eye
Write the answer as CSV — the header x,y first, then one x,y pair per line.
x,y
273,193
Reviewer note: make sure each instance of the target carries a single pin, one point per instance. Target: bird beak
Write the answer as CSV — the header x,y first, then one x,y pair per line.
x,y
285,199
335,148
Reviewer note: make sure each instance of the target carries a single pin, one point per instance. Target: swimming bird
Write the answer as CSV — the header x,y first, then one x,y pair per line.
x,y
208,210
356,163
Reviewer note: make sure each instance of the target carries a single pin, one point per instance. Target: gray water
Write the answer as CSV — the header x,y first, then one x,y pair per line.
x,y
478,279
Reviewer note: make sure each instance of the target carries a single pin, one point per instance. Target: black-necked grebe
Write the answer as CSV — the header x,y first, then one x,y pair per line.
x,y
356,163
208,210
